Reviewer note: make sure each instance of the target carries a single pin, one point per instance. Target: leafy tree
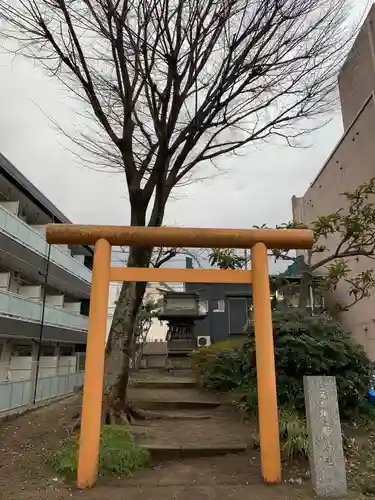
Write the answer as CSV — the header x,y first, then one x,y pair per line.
x,y
226,258
340,238
171,86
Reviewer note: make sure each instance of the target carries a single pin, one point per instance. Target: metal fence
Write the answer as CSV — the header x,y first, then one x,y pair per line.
x,y
20,394
24,368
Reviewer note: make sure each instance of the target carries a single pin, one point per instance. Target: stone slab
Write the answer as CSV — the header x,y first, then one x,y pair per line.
x,y
326,456
164,384
175,405
164,452
180,372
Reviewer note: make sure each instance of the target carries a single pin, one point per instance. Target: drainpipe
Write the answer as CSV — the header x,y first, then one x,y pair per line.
x,y
41,324
311,300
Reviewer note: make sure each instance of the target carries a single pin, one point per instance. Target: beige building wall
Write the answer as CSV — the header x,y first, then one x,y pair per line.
x,y
351,163
357,76
158,330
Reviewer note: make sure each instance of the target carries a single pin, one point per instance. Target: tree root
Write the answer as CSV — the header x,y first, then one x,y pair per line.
x,y
118,413
75,426
124,414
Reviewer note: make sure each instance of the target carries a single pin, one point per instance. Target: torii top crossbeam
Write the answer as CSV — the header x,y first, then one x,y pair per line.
x,y
286,239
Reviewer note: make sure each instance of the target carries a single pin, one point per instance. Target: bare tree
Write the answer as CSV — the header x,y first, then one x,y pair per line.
x,y
174,84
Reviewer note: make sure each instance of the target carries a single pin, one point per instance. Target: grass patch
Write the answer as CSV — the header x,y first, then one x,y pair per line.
x,y
293,435
119,454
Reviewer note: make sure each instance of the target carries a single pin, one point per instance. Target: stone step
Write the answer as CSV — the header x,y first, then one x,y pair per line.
x,y
176,404
180,372
182,414
165,384
173,452
175,361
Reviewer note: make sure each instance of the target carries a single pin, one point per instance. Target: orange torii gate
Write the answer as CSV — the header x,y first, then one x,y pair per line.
x,y
103,237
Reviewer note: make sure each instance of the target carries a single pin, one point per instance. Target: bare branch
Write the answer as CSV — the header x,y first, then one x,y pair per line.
x,y
174,85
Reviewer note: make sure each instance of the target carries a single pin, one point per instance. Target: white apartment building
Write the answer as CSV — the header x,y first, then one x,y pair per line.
x,y
154,292
44,289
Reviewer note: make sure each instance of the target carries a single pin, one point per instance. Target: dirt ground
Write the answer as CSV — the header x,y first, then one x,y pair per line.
x,y
27,440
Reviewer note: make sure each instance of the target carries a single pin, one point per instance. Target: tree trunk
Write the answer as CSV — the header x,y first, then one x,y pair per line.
x,y
122,330
119,344
120,341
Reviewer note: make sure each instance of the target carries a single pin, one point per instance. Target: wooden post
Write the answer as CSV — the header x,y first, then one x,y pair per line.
x,y
88,455
265,363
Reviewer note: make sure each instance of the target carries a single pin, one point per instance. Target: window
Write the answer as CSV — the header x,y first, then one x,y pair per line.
x,y
239,312
66,350
22,350
219,306
47,350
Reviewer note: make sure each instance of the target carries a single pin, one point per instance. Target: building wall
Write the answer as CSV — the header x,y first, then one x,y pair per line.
x,y
113,295
351,163
217,323
24,213
18,360
356,79
158,330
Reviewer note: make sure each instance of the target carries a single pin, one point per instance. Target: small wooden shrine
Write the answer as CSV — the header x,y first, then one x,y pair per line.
x,y
181,310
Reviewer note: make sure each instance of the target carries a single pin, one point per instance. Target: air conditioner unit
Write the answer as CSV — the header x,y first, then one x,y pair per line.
x,y
203,341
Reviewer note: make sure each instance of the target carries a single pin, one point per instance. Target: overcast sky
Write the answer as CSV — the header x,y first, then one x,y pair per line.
x,y
256,189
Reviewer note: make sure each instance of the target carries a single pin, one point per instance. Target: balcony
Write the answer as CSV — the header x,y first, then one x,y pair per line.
x,y
15,228
23,308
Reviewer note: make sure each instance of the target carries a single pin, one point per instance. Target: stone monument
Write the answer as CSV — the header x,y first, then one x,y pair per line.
x,y
327,462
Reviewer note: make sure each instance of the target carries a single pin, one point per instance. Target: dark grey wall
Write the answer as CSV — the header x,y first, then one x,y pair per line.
x,y
222,325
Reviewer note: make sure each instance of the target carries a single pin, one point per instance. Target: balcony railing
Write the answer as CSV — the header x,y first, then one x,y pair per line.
x,y
17,229
18,306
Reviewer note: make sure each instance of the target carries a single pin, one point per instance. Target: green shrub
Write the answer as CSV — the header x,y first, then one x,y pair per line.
x,y
304,345
201,357
317,345
223,372
119,453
